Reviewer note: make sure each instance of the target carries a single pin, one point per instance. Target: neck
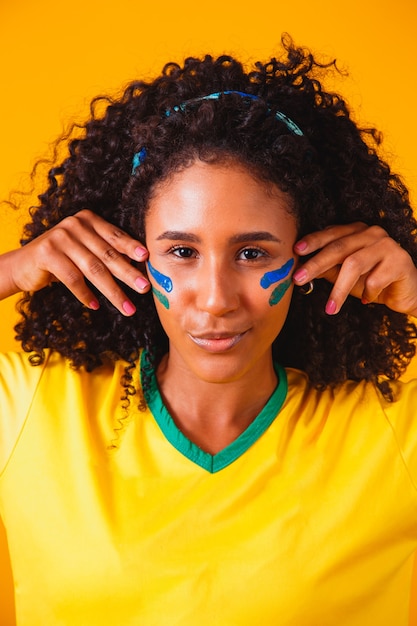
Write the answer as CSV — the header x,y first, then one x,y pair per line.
x,y
213,414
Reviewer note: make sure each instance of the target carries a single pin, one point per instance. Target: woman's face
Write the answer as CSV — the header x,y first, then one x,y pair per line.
x,y
220,263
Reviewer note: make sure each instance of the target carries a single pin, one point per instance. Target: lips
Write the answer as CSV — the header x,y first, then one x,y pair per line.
x,y
217,342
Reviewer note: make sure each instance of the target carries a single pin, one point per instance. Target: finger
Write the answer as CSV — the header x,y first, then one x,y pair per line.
x,y
315,241
336,249
74,279
114,236
96,250
369,273
103,257
78,263
69,274
369,288
393,282
347,283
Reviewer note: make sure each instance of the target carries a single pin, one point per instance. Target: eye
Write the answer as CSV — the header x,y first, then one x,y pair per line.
x,y
251,254
184,252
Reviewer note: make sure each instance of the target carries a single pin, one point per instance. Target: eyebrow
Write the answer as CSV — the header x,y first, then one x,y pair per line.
x,y
178,235
257,235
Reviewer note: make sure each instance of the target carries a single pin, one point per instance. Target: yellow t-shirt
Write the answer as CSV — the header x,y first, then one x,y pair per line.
x,y
308,519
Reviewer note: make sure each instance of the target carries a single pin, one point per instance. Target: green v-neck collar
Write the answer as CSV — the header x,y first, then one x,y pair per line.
x,y
211,462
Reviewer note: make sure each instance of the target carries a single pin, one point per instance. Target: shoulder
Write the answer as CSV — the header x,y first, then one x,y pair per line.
x,y
18,376
336,403
355,415
352,393
39,394
19,380
18,372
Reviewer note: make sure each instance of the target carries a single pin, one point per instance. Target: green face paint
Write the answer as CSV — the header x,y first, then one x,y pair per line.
x,y
279,292
161,297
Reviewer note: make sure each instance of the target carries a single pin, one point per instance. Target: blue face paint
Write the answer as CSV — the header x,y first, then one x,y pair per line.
x,y
161,279
275,276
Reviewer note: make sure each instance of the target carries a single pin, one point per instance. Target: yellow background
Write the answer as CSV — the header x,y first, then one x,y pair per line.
x,y
54,57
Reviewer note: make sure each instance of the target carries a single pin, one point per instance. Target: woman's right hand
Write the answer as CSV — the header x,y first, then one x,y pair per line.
x,y
82,246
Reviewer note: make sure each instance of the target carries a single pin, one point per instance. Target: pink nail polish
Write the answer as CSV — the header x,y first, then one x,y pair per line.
x,y
128,307
300,246
94,305
300,275
140,252
330,307
141,283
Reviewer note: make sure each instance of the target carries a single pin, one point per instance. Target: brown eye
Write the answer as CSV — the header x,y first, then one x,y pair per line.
x,y
183,252
251,254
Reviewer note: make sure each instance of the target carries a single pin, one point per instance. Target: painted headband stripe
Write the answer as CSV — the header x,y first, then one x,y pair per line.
x,y
138,159
140,156
281,117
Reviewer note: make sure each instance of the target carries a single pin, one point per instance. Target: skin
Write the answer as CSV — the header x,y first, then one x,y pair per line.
x,y
362,261
216,296
81,246
163,281
358,259
277,276
215,231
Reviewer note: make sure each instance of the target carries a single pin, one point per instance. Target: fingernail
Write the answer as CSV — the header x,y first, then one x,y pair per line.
x,y
364,301
140,252
128,307
94,305
330,307
300,275
141,283
300,246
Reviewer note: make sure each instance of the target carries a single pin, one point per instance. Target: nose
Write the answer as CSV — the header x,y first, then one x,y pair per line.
x,y
217,290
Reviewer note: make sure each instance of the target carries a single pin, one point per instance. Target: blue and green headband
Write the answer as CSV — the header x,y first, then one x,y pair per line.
x,y
139,157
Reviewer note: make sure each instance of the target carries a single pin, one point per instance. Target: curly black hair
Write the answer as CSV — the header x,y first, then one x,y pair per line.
x,y
333,174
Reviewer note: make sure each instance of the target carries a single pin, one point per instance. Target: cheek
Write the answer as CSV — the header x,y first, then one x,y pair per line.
x,y
279,292
162,279
282,276
161,297
277,275
164,282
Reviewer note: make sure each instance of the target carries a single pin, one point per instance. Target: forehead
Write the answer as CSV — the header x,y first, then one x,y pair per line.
x,y
215,196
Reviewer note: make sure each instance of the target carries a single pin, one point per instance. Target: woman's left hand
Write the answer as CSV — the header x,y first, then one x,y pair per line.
x,y
362,261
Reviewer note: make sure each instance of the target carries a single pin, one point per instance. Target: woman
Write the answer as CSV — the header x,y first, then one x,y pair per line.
x,y
159,464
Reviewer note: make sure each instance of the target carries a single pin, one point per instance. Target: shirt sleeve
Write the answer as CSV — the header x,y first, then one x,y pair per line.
x,y
402,418
18,382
